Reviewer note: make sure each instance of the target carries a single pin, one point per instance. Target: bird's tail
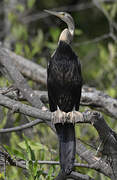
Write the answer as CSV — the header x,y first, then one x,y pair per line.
x,y
67,146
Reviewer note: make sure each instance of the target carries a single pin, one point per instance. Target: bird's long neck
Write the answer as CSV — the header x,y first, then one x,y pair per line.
x,y
71,28
67,34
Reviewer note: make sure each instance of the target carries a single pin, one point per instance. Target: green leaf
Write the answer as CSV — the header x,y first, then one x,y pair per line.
x,y
12,17
33,145
35,168
50,45
30,3
18,48
37,43
20,7
54,32
28,53
20,32
31,155
50,173
78,32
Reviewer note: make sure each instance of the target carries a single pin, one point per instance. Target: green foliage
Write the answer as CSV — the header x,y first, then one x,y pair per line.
x,y
28,150
20,8
30,3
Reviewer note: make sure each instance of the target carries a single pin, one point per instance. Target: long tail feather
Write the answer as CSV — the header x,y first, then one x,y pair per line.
x,y
67,146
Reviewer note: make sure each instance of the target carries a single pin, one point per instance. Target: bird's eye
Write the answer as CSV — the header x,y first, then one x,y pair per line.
x,y
62,13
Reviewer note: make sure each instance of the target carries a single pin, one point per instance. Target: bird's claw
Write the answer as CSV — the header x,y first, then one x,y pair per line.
x,y
58,117
63,117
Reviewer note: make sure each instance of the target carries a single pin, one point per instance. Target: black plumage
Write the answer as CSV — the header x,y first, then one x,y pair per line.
x,y
64,82
64,79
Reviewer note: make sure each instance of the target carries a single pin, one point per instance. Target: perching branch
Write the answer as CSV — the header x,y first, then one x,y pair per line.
x,y
94,98
90,97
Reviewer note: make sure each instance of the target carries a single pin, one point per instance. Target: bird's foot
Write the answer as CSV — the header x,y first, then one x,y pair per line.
x,y
74,116
58,117
62,117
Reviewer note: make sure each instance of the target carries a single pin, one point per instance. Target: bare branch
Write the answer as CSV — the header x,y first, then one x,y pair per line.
x,y
90,97
22,127
111,22
27,67
18,79
24,109
94,98
100,101
95,40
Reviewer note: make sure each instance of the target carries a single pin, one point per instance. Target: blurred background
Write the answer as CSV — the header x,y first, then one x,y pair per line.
x,y
28,31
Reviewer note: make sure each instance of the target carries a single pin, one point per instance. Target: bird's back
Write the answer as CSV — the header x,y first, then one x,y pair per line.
x,y
64,78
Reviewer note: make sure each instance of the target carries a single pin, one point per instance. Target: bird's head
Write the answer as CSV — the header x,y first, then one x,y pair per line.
x,y
66,17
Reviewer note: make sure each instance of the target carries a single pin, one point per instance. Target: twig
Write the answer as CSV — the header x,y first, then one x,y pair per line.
x,y
95,40
22,127
111,22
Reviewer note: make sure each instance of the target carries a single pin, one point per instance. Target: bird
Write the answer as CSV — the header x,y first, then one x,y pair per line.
x,y
64,84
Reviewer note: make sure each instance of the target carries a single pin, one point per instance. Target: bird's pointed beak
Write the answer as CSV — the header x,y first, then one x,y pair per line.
x,y
54,13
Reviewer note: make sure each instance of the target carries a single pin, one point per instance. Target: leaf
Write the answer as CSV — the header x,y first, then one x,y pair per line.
x,y
30,3
35,168
33,145
31,155
37,43
50,173
54,32
78,32
114,10
20,32
50,45
15,152
20,8
18,48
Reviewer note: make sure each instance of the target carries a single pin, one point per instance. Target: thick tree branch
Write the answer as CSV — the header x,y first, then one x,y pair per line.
x,y
10,69
109,141
90,97
94,98
99,100
27,67
24,109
